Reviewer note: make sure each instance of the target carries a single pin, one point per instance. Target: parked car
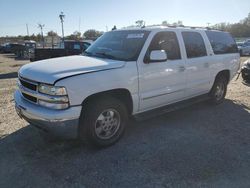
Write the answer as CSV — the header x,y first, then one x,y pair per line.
x,y
139,72
7,48
245,72
66,48
244,48
1,48
22,50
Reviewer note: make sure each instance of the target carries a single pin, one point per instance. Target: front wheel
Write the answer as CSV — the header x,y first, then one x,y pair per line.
x,y
103,121
219,90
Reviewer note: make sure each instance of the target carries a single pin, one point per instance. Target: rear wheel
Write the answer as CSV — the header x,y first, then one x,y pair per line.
x,y
219,90
103,121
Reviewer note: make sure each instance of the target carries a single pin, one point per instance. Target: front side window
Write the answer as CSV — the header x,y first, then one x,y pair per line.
x,y
221,42
119,45
167,41
194,44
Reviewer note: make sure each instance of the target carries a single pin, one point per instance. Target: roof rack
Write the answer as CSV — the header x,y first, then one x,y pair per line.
x,y
182,26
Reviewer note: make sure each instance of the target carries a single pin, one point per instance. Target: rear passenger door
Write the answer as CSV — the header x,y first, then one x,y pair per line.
x,y
197,64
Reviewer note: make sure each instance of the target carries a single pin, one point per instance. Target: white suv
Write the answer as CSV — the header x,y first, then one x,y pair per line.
x,y
138,72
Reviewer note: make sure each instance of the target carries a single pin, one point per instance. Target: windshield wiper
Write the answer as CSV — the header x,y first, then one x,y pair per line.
x,y
109,56
87,53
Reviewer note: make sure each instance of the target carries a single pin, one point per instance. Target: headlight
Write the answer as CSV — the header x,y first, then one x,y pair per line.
x,y
56,97
52,90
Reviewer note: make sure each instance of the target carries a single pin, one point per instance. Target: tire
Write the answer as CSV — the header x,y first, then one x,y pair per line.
x,y
219,90
103,121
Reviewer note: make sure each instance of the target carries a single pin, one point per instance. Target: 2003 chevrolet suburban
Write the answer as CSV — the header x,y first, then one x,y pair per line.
x,y
125,73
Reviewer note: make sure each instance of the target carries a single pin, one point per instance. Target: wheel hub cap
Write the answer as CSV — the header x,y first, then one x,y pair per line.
x,y
107,124
219,92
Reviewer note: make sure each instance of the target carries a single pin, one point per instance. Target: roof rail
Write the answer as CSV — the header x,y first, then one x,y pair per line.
x,y
182,26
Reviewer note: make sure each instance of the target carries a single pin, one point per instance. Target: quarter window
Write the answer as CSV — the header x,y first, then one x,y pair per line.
x,y
166,41
222,43
194,44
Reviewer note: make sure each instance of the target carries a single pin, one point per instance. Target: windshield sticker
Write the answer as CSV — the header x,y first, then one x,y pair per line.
x,y
135,36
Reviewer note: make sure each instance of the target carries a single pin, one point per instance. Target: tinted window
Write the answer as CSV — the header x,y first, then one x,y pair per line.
x,y
222,43
194,44
166,41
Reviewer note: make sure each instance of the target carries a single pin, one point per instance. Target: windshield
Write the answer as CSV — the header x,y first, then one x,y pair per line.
x,y
119,45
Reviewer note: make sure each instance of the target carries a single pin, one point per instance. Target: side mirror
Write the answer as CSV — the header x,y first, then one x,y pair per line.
x,y
158,56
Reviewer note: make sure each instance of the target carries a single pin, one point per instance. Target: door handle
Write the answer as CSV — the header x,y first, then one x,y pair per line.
x,y
182,68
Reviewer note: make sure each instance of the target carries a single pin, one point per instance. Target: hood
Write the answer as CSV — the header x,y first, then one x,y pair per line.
x,y
50,70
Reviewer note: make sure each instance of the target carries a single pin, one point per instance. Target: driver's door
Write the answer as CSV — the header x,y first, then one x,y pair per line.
x,y
162,83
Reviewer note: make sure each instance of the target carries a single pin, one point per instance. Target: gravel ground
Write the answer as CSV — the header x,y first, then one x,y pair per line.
x,y
199,146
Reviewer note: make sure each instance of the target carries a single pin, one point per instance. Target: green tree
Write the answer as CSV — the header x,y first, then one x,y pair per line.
x,y
52,33
165,23
240,29
75,36
178,23
140,23
92,34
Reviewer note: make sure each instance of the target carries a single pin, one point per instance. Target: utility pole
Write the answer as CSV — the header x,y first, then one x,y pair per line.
x,y
79,28
41,27
62,16
27,28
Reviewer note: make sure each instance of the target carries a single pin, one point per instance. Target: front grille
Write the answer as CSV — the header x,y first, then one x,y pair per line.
x,y
28,97
28,89
28,85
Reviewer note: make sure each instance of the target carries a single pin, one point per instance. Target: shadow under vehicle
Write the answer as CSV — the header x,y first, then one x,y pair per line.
x,y
66,48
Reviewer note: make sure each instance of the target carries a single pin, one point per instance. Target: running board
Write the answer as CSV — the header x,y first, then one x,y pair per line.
x,y
171,107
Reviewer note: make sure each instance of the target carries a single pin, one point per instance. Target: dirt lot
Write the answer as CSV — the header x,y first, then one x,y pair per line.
x,y
200,146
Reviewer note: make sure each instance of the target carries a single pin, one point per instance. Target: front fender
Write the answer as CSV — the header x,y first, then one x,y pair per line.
x,y
79,87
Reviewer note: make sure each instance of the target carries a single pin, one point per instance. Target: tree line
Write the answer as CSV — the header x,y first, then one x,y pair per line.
x,y
240,29
90,34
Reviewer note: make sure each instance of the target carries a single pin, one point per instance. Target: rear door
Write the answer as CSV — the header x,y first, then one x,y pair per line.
x,y
197,63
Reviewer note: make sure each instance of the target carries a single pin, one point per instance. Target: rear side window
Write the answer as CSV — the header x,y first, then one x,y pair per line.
x,y
222,43
194,44
167,41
